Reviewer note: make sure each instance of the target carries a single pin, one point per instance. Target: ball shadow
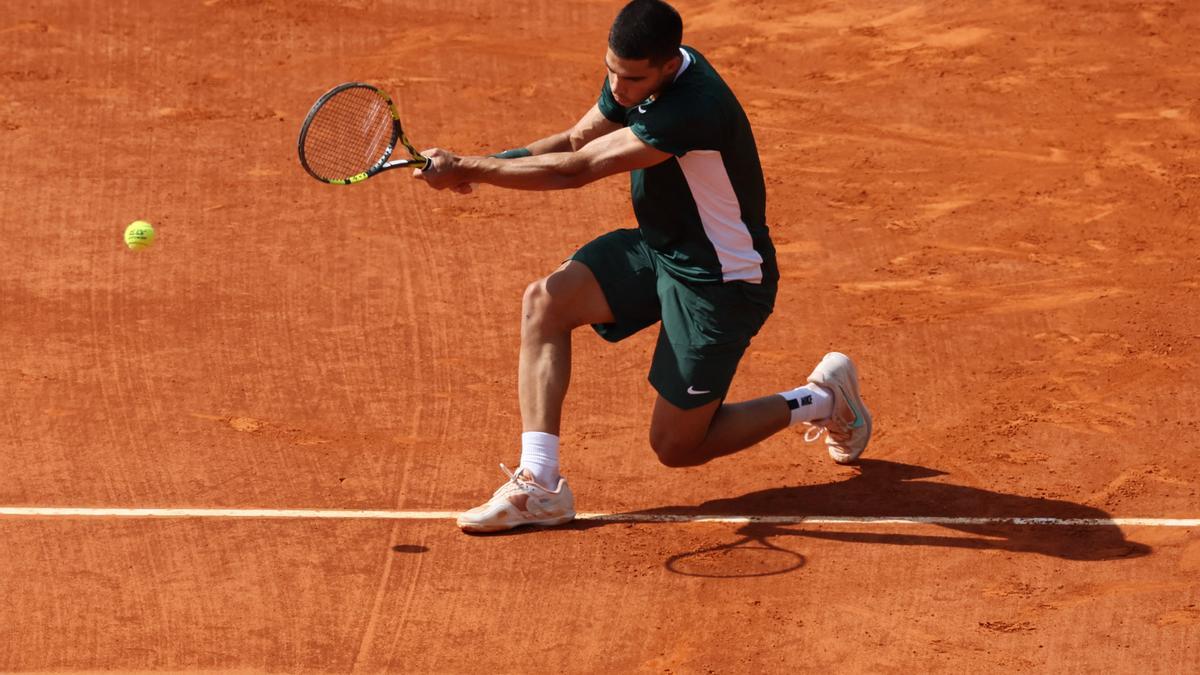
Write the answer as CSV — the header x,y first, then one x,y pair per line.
x,y
410,548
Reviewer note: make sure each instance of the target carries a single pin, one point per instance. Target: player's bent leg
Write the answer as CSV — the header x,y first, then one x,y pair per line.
x,y
692,437
535,494
617,265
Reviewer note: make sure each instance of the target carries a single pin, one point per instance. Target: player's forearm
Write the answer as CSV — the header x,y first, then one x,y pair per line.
x,y
549,171
560,142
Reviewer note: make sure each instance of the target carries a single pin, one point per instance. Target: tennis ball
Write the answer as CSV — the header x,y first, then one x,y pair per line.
x,y
139,235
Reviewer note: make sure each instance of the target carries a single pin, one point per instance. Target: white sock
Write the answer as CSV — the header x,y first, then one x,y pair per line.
x,y
539,455
809,403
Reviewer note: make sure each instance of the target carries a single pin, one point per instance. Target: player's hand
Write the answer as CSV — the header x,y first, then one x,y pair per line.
x,y
444,173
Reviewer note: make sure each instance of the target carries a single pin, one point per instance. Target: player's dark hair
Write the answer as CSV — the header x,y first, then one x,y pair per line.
x,y
646,29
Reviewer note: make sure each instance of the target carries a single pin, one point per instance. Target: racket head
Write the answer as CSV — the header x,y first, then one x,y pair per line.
x,y
350,133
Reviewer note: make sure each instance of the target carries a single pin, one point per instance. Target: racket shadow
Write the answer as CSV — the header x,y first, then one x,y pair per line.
x,y
890,489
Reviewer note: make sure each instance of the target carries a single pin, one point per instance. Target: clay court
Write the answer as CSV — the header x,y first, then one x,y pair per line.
x,y
991,206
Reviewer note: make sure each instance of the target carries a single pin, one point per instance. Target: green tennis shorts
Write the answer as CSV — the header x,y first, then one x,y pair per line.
x,y
705,327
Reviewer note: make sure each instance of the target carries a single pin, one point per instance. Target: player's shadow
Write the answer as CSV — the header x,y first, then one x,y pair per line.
x,y
889,489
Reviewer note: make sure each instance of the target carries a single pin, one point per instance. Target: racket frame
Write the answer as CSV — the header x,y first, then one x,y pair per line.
x,y
382,164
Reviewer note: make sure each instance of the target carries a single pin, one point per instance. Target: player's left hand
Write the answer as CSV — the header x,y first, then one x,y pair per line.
x,y
444,173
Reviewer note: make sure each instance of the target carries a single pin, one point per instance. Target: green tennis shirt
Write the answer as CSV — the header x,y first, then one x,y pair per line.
x,y
703,211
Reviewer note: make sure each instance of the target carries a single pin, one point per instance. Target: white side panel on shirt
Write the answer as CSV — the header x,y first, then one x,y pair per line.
x,y
721,215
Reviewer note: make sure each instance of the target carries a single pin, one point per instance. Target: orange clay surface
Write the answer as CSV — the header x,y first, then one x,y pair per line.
x,y
990,206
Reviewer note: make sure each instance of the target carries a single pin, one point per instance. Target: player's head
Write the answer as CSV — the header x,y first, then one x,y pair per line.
x,y
643,50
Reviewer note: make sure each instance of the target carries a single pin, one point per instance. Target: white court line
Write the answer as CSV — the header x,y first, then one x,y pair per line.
x,y
339,514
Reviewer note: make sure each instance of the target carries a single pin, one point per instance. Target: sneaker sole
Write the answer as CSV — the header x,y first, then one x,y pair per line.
x,y
480,528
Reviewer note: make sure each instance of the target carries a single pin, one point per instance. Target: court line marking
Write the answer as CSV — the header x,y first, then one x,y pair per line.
x,y
346,514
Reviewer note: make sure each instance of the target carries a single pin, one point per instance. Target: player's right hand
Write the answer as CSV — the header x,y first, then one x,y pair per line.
x,y
443,172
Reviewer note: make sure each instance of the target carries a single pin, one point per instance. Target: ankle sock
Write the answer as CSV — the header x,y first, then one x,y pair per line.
x,y
809,403
539,456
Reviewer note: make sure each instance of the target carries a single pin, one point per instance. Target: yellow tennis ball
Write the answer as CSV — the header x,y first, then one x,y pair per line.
x,y
139,235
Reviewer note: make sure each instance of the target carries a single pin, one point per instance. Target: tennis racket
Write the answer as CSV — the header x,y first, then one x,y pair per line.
x,y
350,133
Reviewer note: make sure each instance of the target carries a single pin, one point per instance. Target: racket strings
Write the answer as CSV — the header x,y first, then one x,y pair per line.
x,y
349,134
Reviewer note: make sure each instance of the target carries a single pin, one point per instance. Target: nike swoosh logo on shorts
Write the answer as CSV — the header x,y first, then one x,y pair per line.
x,y
695,392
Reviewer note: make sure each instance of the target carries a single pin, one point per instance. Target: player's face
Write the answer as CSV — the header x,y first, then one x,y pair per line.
x,y
633,81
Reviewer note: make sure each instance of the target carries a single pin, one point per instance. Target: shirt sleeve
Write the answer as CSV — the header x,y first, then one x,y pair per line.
x,y
608,105
679,123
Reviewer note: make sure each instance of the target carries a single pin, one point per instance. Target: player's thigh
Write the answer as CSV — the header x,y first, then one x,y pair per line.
x,y
705,332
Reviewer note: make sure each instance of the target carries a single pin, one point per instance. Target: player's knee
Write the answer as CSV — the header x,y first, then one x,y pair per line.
x,y
538,305
673,450
547,305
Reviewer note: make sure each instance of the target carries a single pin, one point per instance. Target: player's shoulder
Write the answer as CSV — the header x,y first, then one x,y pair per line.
x,y
698,83
700,71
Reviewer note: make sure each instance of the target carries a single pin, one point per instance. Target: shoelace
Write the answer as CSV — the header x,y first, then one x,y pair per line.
x,y
813,432
515,483
511,475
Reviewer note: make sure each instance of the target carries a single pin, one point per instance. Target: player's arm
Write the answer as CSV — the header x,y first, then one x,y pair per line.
x,y
592,125
616,152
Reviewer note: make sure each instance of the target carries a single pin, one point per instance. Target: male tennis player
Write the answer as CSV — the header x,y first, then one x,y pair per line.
x,y
700,262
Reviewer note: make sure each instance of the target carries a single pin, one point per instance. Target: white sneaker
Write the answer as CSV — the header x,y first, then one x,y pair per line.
x,y
521,501
848,429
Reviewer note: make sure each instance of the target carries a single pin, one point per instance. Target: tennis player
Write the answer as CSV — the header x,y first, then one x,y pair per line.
x,y
700,262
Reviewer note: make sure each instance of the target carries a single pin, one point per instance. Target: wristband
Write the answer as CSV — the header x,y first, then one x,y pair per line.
x,y
513,154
